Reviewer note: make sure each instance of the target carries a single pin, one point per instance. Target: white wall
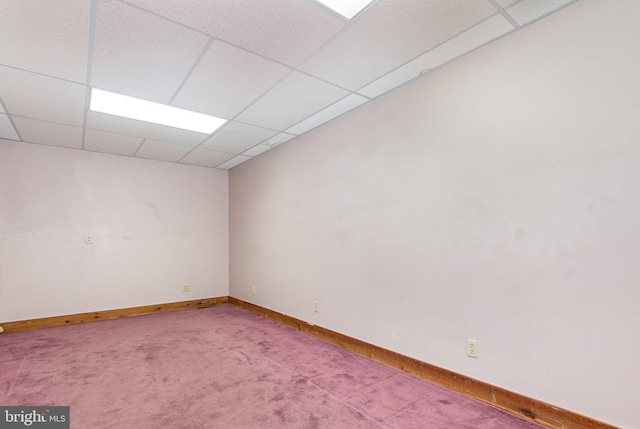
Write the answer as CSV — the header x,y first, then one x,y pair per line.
x,y
155,226
495,199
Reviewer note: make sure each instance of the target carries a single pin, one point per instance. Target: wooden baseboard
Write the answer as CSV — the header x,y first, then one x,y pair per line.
x,y
47,322
514,403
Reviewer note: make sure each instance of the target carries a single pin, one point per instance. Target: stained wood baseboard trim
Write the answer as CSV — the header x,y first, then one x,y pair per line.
x,y
514,403
47,322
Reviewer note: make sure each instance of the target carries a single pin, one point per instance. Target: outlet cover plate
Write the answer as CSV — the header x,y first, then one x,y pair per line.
x,y
472,348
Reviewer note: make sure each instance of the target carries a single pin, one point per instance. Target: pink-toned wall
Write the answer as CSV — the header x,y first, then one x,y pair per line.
x,y
496,199
155,226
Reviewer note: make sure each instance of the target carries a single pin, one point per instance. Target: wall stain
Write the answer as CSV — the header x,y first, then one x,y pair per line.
x,y
154,208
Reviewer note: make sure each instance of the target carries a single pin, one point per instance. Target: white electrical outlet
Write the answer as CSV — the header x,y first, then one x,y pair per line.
x,y
253,290
89,239
186,287
472,348
316,306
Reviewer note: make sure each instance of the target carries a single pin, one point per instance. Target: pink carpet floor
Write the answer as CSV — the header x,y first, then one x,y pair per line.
x,y
221,367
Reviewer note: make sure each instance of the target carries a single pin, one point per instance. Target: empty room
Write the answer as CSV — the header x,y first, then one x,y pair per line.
x,y
298,214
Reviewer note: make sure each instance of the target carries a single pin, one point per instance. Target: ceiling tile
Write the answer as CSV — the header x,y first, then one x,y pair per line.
x,y
338,108
49,37
227,80
132,127
506,3
482,33
390,33
42,97
117,144
275,109
285,30
206,158
237,137
233,162
256,150
269,144
234,59
136,53
529,10
162,151
49,133
6,129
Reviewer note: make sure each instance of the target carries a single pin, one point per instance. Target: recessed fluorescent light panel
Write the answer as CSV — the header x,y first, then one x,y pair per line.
x,y
347,8
148,111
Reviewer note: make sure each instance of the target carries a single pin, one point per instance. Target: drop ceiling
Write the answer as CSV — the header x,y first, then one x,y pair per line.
x,y
274,69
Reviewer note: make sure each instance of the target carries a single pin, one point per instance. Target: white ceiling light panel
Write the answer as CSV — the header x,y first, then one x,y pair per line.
x,y
346,8
148,111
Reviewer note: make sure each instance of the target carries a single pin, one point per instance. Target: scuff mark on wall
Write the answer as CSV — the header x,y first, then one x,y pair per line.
x,y
154,208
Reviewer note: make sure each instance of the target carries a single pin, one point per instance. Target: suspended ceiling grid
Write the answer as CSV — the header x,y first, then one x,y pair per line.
x,y
274,69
